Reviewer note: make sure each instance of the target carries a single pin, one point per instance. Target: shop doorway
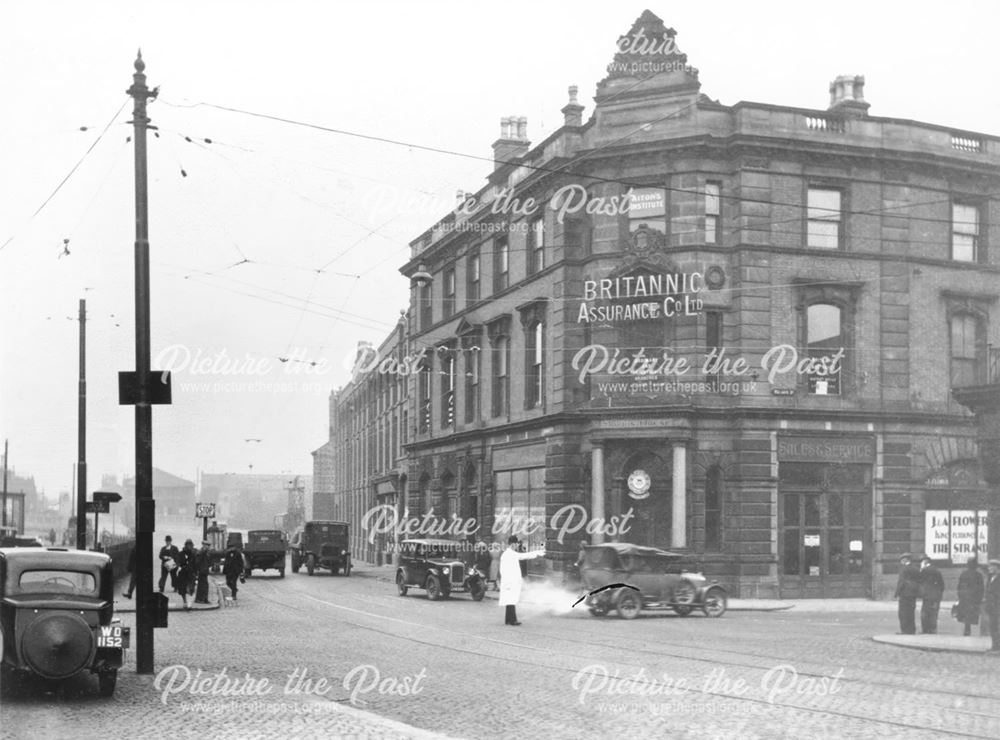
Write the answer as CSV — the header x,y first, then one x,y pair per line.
x,y
825,530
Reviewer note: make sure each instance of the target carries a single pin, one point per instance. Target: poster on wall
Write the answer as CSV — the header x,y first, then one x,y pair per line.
x,y
955,534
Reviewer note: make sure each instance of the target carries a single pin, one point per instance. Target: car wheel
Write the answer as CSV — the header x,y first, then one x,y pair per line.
x,y
310,563
107,681
295,563
401,584
716,602
628,605
334,570
433,589
598,611
684,593
682,610
478,592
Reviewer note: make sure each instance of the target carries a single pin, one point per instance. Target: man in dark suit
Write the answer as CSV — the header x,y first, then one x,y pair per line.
x,y
907,590
932,591
992,604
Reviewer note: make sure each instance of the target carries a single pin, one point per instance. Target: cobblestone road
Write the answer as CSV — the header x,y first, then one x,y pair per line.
x,y
347,656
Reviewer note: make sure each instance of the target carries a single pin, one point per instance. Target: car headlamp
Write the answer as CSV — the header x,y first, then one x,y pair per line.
x,y
446,570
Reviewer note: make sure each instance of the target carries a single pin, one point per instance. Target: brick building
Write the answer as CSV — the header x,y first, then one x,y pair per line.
x,y
827,276
368,428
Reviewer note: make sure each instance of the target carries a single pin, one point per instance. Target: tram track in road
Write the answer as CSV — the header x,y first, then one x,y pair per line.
x,y
569,670
699,655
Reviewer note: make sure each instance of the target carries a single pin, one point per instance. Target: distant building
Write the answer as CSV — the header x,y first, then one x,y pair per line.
x,y
251,500
174,498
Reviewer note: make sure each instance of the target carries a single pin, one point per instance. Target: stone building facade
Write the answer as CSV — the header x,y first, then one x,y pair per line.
x,y
728,330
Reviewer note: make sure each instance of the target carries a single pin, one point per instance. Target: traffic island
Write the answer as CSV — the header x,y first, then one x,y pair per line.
x,y
938,643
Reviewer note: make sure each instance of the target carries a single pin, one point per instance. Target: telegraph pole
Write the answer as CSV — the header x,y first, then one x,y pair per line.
x,y
145,523
81,444
5,483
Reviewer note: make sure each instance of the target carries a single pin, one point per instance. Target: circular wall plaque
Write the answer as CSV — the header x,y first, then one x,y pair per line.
x,y
638,484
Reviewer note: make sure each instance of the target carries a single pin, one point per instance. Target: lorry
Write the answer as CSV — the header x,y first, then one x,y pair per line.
x,y
321,544
265,550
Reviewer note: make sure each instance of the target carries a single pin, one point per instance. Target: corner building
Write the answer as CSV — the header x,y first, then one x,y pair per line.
x,y
733,330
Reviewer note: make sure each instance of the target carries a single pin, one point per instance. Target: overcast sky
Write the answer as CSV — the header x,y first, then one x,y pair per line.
x,y
292,200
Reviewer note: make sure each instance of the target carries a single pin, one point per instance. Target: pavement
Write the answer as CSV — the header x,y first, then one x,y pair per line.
x,y
176,603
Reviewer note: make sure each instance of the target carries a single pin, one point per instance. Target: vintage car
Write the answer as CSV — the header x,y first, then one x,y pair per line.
x,y
57,615
434,565
321,544
265,550
658,579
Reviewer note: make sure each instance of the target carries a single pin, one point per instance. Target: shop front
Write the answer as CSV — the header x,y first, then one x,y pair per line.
x,y
825,515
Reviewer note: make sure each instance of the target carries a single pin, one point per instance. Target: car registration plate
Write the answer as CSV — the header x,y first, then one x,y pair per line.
x,y
113,636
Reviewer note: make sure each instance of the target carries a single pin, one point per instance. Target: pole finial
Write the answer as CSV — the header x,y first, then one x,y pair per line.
x,y
139,64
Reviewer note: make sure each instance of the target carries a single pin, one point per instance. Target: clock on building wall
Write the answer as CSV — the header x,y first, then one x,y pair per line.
x,y
638,484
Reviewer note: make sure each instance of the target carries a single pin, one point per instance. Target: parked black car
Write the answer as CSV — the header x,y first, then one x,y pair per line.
x,y
57,615
659,579
434,565
322,544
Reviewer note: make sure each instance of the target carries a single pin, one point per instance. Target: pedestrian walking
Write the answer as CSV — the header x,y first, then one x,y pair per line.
x,y
203,563
907,590
131,574
511,579
931,592
52,537
168,563
185,571
970,595
993,602
234,567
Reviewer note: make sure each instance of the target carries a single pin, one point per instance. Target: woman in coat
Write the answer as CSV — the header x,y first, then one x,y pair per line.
x,y
185,571
511,579
970,595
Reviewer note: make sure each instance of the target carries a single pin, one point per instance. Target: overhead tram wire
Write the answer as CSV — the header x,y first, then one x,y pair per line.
x,y
561,169
70,173
190,271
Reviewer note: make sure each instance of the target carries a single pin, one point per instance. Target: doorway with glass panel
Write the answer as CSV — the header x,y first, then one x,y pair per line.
x,y
825,530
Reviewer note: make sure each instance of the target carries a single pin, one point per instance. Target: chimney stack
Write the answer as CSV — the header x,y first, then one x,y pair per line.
x,y
847,96
573,112
513,142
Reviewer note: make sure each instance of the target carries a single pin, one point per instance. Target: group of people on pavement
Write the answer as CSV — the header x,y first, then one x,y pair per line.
x,y
975,596
188,569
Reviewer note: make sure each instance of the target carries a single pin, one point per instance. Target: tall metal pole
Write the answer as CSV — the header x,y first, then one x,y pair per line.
x,y
5,483
81,444
144,512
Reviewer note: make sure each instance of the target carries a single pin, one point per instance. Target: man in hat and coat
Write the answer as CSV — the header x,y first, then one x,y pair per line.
x,y
511,578
203,563
234,566
993,602
970,595
931,592
907,590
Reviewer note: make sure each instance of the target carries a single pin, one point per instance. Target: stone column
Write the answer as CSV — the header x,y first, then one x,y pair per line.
x,y
597,489
678,537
